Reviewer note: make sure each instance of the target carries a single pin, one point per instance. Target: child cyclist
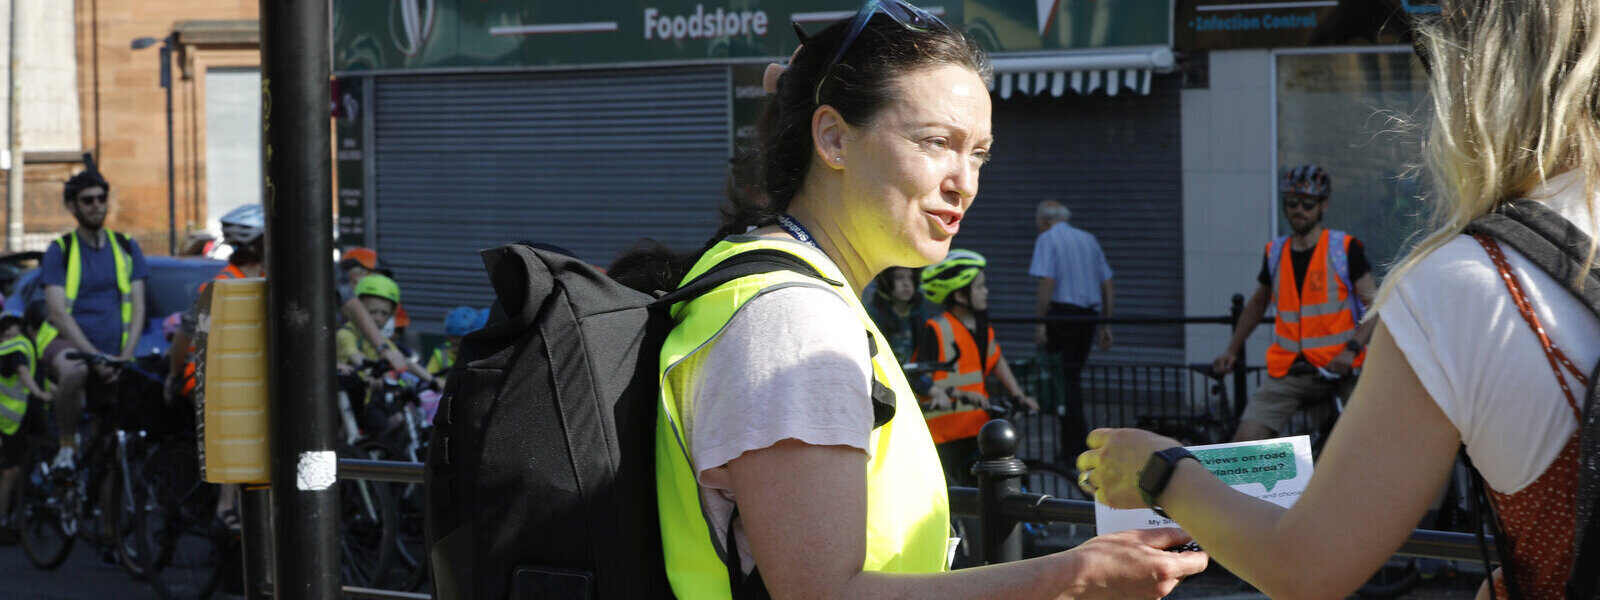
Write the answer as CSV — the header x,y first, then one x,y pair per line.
x,y
379,295
955,404
458,323
18,368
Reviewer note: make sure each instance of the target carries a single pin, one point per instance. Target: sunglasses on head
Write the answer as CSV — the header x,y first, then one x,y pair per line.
x,y
908,16
92,199
1301,203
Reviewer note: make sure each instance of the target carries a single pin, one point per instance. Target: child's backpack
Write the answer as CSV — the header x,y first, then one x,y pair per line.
x,y
1560,249
541,471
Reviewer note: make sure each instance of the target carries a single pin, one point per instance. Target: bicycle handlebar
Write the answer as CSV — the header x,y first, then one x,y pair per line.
x,y
117,364
925,367
378,368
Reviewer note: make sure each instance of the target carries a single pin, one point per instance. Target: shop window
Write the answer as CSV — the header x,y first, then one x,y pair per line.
x,y
233,140
1359,116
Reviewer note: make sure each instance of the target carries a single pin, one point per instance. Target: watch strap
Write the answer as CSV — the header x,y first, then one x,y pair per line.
x,y
1166,461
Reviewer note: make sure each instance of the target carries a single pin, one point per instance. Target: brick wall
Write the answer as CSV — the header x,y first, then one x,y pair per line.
x,y
124,115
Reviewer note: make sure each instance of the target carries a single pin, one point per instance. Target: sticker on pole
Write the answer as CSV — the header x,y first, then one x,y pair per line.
x,y
1275,470
316,471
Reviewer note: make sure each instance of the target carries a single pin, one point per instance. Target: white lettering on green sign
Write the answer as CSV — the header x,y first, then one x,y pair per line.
x,y
702,24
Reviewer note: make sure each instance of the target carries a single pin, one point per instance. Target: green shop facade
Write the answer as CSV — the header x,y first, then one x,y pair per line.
x,y
464,124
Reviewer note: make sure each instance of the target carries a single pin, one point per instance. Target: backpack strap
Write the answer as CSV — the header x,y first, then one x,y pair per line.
x,y
1560,249
744,264
1275,256
755,262
1339,249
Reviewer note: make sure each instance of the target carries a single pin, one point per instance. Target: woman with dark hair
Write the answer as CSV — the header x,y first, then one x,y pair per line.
x,y
790,456
1477,348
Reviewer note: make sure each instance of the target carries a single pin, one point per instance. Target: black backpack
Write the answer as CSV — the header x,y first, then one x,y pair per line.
x,y
1560,249
541,472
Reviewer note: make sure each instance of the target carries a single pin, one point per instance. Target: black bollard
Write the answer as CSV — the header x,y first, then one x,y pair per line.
x,y
256,502
999,475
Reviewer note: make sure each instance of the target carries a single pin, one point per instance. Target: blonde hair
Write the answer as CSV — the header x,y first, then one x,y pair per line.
x,y
1516,90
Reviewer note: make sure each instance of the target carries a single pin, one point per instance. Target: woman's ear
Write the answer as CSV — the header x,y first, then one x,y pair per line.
x,y
827,136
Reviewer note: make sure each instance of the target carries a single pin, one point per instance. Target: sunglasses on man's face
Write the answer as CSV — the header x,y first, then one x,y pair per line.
x,y
1301,203
92,199
908,16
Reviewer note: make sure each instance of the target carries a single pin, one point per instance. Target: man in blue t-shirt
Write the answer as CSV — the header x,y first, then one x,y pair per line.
x,y
94,284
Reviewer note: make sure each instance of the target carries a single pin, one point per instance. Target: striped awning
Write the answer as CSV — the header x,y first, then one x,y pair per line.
x,y
1082,72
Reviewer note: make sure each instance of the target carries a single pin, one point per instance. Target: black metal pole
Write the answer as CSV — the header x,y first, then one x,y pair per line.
x,y
256,505
299,180
999,473
172,194
1237,310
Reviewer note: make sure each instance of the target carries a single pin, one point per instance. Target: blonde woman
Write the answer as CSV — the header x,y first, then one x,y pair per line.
x,y
1458,356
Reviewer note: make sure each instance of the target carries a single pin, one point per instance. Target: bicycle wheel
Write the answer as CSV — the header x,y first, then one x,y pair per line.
x,y
44,540
127,494
368,515
178,513
406,568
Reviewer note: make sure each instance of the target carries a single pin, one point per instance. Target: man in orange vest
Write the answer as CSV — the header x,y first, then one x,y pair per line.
x,y
1319,340
955,404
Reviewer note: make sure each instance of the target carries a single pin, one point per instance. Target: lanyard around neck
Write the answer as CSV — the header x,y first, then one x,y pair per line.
x,y
794,228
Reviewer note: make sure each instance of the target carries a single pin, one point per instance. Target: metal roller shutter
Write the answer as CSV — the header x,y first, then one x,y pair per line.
x,y
590,161
1117,163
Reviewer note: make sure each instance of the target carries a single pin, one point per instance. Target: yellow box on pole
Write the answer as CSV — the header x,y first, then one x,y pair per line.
x,y
233,370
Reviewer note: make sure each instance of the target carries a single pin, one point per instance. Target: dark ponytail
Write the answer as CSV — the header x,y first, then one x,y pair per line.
x,y
764,180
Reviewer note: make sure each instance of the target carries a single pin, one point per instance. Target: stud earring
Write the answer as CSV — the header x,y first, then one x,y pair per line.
x,y
838,159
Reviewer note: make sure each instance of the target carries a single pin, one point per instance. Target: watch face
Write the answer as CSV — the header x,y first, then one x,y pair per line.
x,y
1154,475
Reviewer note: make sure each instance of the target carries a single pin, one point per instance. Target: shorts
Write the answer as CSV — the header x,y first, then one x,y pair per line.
x,y
1280,397
98,393
47,359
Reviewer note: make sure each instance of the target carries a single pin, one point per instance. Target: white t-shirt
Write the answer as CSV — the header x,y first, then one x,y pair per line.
x,y
791,364
1482,363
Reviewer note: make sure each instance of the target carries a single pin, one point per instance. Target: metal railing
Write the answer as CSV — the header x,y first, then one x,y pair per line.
x,y
1163,398
998,503
1001,507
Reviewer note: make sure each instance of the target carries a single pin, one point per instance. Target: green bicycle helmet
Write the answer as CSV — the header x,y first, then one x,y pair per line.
x,y
380,286
955,272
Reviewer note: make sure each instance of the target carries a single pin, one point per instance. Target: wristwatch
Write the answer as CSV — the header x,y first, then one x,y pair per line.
x,y
1158,472
1354,346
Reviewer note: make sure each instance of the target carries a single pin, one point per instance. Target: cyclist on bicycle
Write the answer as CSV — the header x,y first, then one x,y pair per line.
x,y
357,263
18,383
955,404
94,285
1319,340
244,228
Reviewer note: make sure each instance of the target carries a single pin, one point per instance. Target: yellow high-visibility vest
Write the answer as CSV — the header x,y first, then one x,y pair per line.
x,y
74,258
907,501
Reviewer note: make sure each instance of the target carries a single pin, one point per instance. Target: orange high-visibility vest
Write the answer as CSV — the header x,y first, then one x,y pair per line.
x,y
1316,320
970,374
228,272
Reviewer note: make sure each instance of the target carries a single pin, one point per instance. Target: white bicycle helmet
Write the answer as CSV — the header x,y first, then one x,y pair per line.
x,y
244,225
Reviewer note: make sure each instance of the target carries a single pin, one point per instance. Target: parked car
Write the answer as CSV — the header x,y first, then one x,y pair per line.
x,y
13,265
172,287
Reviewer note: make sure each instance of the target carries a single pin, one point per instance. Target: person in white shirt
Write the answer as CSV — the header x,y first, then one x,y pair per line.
x,y
1475,345
1074,281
